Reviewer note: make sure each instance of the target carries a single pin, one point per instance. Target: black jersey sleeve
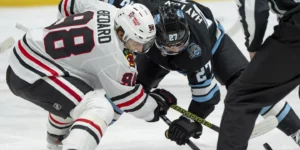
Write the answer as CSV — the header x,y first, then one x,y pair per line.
x,y
254,17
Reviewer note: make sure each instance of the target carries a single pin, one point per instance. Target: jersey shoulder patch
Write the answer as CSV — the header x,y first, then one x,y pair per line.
x,y
129,56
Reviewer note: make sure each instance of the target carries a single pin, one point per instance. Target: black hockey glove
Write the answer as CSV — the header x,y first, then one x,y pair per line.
x,y
182,129
164,100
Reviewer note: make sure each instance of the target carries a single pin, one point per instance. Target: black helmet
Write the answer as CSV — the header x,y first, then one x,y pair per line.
x,y
172,29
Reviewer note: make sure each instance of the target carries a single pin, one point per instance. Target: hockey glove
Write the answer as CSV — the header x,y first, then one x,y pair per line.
x,y
182,129
164,101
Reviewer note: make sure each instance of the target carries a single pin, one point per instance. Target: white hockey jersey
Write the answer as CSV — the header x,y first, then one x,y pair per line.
x,y
84,45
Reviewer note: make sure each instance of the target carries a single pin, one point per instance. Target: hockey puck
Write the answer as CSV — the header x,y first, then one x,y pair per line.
x,y
267,146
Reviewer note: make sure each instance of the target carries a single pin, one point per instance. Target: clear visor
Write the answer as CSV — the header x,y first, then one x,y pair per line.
x,y
139,47
173,49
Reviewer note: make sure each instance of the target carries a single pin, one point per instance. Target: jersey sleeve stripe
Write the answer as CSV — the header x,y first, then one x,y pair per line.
x,y
204,90
59,6
207,97
72,7
25,65
63,89
67,88
133,100
206,83
138,106
125,94
66,8
51,73
50,61
39,63
36,61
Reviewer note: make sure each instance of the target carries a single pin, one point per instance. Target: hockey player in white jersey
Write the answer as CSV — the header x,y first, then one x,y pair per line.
x,y
60,68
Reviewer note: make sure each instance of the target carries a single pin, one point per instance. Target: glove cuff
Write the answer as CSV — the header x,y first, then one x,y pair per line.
x,y
198,133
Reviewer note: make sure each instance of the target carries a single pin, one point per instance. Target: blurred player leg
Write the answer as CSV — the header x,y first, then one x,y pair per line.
x,y
289,122
68,97
91,118
265,81
57,130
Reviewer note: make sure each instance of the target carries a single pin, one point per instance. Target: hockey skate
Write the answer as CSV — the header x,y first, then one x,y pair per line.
x,y
296,137
54,141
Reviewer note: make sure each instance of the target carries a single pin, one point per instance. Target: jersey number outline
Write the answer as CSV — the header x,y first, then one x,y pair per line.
x,y
63,43
173,37
201,75
129,79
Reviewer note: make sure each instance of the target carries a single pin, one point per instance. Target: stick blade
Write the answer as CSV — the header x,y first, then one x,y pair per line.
x,y
7,44
21,27
264,126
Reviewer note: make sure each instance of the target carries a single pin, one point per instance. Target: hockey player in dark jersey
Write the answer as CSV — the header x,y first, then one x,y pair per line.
x,y
189,40
200,57
272,73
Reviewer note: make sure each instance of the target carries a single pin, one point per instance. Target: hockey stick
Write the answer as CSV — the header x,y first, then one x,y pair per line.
x,y
9,42
21,27
168,121
261,128
6,44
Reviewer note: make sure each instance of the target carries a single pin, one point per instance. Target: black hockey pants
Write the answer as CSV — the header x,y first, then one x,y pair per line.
x,y
271,75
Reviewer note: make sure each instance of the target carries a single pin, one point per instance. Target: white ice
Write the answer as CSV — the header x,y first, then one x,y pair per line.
x,y
23,125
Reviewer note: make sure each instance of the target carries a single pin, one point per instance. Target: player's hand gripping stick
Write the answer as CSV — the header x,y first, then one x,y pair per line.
x,y
261,128
167,121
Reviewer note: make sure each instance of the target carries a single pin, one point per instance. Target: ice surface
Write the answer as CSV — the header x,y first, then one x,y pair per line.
x,y
23,125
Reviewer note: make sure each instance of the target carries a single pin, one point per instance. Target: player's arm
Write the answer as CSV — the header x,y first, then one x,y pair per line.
x,y
205,92
206,95
254,17
119,81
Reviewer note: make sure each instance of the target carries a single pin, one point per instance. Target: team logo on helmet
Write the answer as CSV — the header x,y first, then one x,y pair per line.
x,y
129,56
194,50
131,14
151,27
136,22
